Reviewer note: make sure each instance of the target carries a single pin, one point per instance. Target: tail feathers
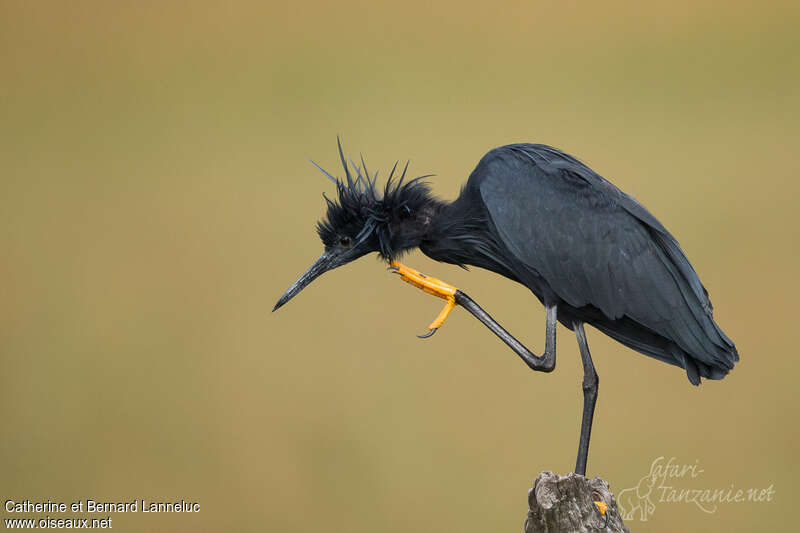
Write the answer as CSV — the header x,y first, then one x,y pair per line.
x,y
733,353
696,369
644,341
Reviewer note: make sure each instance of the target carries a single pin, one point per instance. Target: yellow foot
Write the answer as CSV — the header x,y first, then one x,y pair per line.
x,y
432,286
602,507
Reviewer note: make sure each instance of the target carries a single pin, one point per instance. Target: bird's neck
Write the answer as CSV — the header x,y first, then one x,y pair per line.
x,y
451,232
462,233
458,232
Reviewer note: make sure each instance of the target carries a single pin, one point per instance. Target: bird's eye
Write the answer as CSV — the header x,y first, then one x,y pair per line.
x,y
345,242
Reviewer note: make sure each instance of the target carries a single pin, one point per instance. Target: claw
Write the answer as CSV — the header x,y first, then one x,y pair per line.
x,y
603,508
429,334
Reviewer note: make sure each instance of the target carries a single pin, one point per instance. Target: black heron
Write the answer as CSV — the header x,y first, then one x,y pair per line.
x,y
589,252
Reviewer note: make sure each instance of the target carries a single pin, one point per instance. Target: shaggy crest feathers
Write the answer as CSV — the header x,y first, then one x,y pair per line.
x,y
363,211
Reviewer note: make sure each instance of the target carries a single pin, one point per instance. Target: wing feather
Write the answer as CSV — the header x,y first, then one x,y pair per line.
x,y
594,244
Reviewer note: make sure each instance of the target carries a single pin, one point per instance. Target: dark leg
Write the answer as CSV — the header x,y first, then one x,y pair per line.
x,y
590,386
545,363
437,287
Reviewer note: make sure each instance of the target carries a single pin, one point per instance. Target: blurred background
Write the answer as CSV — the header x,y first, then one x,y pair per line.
x,y
156,198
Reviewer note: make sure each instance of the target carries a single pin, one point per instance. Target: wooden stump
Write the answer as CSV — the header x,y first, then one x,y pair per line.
x,y
566,504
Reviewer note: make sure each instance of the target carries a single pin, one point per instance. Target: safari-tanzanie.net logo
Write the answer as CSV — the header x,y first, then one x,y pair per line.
x,y
671,482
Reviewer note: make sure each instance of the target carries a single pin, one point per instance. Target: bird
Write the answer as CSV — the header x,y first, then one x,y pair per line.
x,y
590,253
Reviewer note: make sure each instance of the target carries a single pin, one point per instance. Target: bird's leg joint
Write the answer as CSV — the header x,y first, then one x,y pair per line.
x,y
591,383
548,365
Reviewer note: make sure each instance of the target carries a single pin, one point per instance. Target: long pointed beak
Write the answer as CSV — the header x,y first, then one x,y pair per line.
x,y
323,264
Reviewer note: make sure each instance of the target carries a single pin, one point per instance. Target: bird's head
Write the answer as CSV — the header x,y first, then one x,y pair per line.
x,y
366,218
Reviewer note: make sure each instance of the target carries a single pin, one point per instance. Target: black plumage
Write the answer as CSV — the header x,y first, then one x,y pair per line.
x,y
601,256
536,215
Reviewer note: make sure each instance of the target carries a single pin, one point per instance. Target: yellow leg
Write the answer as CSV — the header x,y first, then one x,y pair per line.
x,y
432,286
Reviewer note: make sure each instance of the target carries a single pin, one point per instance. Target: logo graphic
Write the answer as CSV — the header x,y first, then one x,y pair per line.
x,y
636,499
668,482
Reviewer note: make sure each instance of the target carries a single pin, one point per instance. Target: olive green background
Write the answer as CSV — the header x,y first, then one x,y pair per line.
x,y
156,199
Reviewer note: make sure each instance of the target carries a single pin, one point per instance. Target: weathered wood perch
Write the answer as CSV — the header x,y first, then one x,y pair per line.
x,y
566,504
